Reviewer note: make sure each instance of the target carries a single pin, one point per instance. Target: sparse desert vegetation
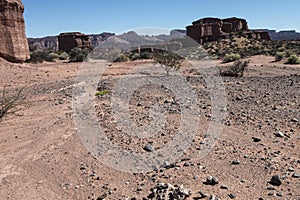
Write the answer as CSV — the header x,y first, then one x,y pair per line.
x,y
168,61
236,69
257,118
10,101
210,111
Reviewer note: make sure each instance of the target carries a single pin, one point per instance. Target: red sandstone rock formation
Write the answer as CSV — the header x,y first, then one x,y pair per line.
x,y
14,46
213,29
68,41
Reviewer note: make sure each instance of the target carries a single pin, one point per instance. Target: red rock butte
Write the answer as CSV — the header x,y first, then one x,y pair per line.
x,y
212,29
68,41
14,45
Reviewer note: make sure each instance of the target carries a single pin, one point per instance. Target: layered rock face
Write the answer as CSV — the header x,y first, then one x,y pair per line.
x,y
212,29
68,41
14,46
50,42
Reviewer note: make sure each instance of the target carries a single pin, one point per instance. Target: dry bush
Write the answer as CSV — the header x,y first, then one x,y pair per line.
x,y
9,102
169,61
237,69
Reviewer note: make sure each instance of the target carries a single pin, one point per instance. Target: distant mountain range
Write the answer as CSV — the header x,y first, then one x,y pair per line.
x,y
282,35
130,38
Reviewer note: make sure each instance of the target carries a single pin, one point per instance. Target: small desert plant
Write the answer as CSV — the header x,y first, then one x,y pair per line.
x,y
231,57
293,59
114,54
38,56
169,61
78,55
8,103
122,58
102,93
289,52
237,69
134,56
146,55
279,56
51,57
281,49
63,56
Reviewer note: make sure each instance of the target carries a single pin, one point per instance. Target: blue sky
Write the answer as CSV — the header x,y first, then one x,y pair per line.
x,y
51,17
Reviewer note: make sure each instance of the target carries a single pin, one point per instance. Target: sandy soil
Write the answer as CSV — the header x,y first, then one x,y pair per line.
x,y
42,156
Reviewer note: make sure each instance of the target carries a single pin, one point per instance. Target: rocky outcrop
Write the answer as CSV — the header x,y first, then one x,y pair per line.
x,y
68,41
51,42
14,46
212,29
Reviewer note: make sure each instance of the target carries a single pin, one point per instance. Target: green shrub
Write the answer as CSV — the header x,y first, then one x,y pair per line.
x,y
289,52
63,56
102,93
293,59
122,58
146,55
58,52
281,49
231,57
279,56
78,55
237,69
51,57
135,56
38,56
114,54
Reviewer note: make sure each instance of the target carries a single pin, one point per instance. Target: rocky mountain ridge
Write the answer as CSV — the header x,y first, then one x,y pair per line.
x,y
51,42
283,35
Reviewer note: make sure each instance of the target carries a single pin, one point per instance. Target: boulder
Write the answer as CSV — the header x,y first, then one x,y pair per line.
x,y
68,41
14,46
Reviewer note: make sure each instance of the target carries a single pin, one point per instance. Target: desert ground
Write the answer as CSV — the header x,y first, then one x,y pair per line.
x,y
42,156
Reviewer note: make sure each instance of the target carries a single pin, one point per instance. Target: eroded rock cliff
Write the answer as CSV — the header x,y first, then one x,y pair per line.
x,y
14,46
212,29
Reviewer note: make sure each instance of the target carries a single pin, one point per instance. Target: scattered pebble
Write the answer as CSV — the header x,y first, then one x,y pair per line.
x,y
231,196
294,120
235,162
83,167
186,164
168,191
279,134
211,180
202,194
224,187
296,175
255,139
149,148
214,197
279,194
275,180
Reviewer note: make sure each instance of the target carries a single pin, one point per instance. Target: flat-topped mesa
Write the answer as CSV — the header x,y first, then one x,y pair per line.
x,y
212,29
68,41
14,46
